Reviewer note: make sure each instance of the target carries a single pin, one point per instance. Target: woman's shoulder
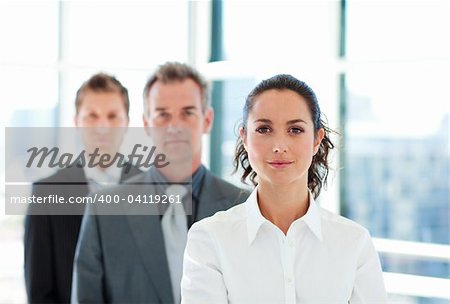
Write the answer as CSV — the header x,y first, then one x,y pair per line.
x,y
222,219
338,223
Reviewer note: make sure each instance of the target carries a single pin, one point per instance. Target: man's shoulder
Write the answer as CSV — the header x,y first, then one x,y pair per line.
x,y
227,189
75,174
223,184
139,177
137,182
70,174
130,171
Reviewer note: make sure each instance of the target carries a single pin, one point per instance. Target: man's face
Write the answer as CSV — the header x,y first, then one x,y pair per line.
x,y
103,117
175,109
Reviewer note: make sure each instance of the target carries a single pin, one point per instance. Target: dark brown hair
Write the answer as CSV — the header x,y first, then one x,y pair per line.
x,y
102,82
175,71
318,171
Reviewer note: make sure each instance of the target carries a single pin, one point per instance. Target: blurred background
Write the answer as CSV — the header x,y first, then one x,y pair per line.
x,y
381,71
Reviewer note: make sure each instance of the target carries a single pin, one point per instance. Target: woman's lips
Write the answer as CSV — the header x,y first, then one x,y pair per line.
x,y
280,164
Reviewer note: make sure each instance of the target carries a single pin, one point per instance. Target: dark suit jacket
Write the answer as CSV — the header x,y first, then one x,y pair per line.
x,y
50,240
122,258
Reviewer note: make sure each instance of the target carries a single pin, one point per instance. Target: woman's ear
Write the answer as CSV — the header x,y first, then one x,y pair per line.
x,y
318,139
243,136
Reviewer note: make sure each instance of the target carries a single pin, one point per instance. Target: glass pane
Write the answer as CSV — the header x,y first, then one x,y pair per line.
x,y
28,97
136,34
397,153
28,32
415,265
396,178
228,101
12,285
403,299
278,30
398,29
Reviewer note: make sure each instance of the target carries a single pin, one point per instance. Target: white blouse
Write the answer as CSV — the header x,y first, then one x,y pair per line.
x,y
238,256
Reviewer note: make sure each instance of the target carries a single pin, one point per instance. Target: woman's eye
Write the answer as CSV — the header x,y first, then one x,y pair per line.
x,y
295,130
263,130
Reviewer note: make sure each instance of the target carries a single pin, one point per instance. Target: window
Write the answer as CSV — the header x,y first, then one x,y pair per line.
x,y
396,160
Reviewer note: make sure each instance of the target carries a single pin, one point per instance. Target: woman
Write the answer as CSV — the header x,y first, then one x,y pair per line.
x,y
280,246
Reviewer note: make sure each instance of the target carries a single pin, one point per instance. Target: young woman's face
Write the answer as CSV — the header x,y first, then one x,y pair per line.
x,y
280,139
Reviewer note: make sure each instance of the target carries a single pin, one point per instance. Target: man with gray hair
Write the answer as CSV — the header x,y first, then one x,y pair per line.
x,y
138,258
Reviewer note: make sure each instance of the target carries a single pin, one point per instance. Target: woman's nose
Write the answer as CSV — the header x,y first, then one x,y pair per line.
x,y
279,148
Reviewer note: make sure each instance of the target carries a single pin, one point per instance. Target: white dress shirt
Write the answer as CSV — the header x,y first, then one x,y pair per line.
x,y
238,256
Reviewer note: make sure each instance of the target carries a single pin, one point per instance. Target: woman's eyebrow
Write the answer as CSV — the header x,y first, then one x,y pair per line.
x,y
294,121
290,122
264,120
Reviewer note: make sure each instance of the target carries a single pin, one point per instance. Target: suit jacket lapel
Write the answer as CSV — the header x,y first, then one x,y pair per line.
x,y
147,233
76,175
133,170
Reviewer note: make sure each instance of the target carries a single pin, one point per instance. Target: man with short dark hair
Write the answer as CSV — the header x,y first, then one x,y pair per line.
x,y
138,258
102,107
